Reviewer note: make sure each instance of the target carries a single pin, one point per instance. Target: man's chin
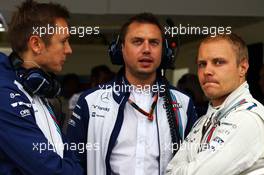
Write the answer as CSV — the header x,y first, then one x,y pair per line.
x,y
146,72
212,95
216,96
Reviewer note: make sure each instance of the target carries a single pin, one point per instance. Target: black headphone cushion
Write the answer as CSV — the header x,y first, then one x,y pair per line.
x,y
37,82
115,52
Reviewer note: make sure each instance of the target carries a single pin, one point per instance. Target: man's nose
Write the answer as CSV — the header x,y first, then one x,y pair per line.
x,y
208,69
68,49
146,47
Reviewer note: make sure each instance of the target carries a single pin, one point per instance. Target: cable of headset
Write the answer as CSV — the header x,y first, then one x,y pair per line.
x,y
175,134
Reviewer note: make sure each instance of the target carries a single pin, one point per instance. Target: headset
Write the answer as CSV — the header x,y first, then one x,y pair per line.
x,y
116,56
35,81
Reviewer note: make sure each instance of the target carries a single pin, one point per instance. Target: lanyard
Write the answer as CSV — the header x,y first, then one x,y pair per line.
x,y
148,114
216,121
206,126
52,115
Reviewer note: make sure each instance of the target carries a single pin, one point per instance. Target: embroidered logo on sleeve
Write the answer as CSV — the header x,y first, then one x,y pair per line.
x,y
20,103
13,95
24,113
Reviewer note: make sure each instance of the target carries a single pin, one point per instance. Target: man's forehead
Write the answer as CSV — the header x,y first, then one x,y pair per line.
x,y
216,48
218,44
137,29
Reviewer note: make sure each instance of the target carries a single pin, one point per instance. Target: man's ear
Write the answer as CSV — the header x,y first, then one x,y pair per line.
x,y
122,46
36,44
243,66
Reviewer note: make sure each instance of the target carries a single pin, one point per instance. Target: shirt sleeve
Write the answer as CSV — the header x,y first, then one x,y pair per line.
x,y
23,143
234,147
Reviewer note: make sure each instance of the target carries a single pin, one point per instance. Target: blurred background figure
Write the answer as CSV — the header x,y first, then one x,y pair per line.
x,y
100,74
261,83
70,85
189,85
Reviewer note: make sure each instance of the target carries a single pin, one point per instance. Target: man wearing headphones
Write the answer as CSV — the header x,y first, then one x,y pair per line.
x,y
134,124
30,140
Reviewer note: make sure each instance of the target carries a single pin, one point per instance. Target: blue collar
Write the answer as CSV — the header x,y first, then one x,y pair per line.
x,y
121,86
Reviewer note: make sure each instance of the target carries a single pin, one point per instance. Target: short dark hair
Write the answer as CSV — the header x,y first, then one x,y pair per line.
x,y
33,14
148,18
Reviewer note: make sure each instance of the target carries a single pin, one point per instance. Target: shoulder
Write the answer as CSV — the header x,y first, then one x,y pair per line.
x,y
181,98
249,109
98,89
99,94
175,91
245,119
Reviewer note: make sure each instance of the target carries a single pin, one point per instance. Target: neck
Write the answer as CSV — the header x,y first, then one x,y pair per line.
x,y
141,80
218,101
28,61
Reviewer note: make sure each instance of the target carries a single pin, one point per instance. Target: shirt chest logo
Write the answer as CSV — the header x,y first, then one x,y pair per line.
x,y
101,108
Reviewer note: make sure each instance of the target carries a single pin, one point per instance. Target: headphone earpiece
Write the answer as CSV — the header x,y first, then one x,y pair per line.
x,y
115,52
35,81
168,56
116,56
16,61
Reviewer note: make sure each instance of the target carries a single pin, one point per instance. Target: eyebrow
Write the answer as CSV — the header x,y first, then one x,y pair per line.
x,y
141,38
137,38
218,58
214,58
200,61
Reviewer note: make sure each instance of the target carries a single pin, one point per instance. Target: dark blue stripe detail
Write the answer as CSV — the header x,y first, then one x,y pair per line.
x,y
250,107
115,133
192,117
